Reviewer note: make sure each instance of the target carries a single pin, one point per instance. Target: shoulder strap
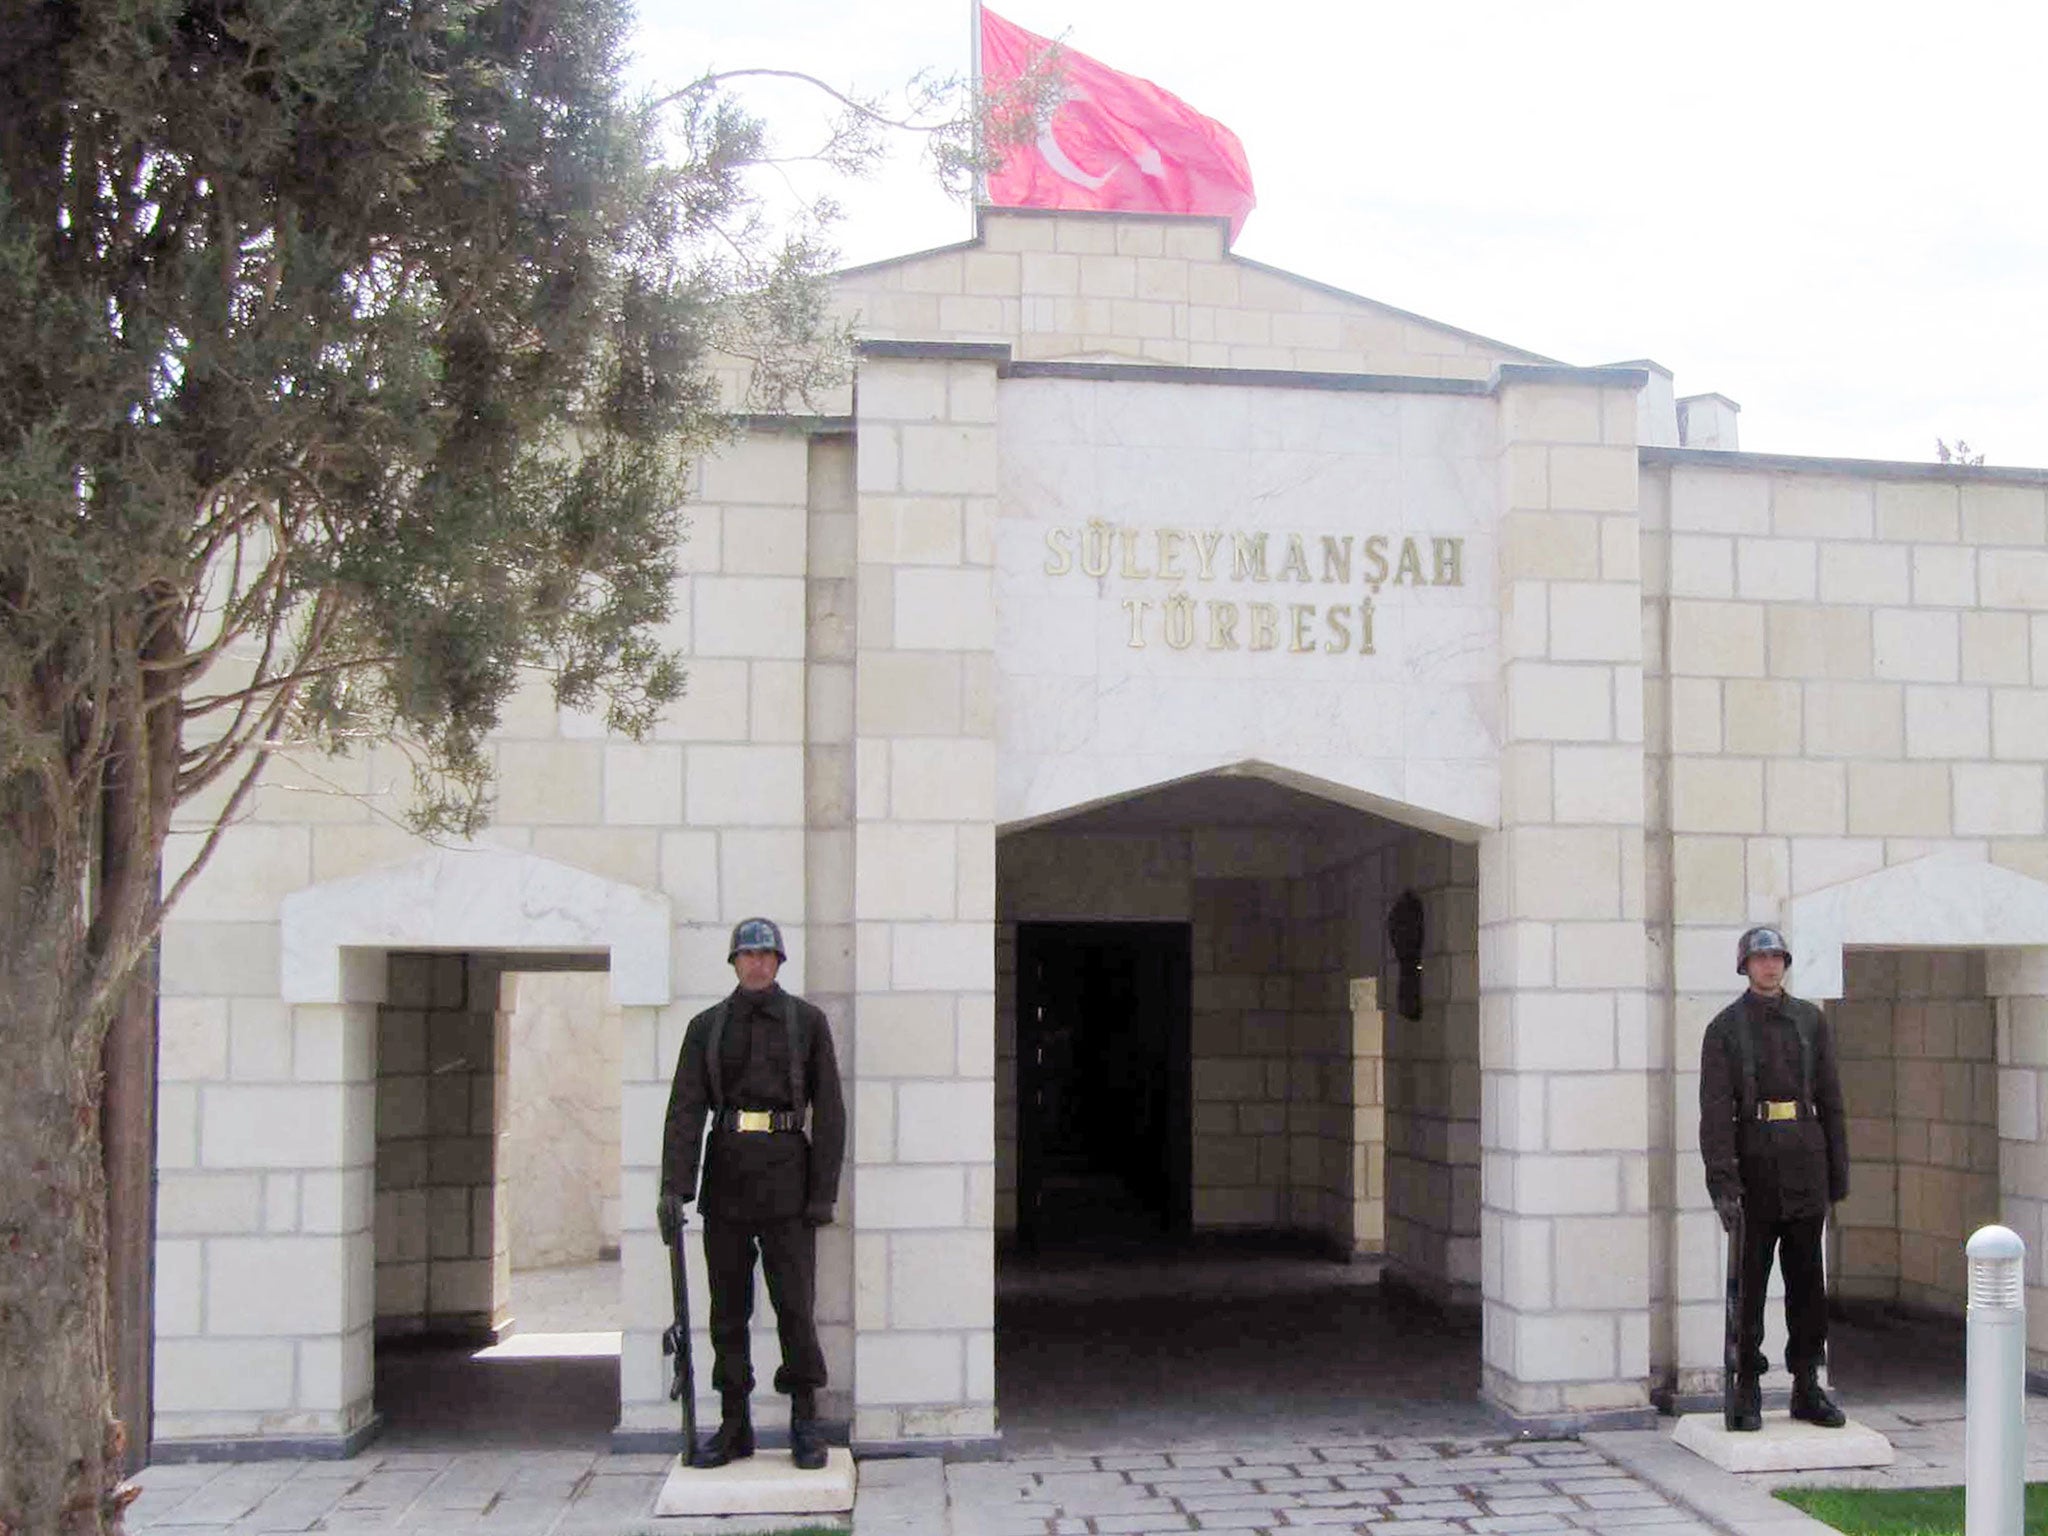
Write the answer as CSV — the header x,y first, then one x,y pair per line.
x,y
1745,1049
1804,1021
714,1053
796,1058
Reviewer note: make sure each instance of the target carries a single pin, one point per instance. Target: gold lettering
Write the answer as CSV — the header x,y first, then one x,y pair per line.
x,y
1222,626
1337,559
1129,568
1300,614
1248,557
1340,627
1450,562
1059,546
1170,541
1365,628
1205,551
1296,563
1179,614
1410,568
1265,625
1376,560
1095,549
1136,607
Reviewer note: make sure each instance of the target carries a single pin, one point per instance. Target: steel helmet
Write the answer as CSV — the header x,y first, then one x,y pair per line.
x,y
756,933
1760,941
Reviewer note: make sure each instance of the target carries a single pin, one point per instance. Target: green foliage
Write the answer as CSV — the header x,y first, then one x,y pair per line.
x,y
1903,1511
361,345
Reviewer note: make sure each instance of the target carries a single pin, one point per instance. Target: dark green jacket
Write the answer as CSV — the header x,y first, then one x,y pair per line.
x,y
1787,1169
756,1176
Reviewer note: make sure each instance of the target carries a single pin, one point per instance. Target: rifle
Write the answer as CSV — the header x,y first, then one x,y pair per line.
x,y
676,1340
1731,1343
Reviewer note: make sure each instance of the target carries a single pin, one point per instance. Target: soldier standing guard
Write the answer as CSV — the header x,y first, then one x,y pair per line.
x,y
751,1064
1772,1138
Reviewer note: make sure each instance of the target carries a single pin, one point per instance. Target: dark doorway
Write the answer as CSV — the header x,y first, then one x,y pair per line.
x,y
1104,1111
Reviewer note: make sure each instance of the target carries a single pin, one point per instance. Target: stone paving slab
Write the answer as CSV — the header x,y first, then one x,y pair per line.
x,y
1404,1487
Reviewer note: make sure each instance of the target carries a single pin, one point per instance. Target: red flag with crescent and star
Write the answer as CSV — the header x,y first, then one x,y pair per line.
x,y
1111,140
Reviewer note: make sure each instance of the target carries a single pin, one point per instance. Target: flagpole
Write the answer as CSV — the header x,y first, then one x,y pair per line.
x,y
975,104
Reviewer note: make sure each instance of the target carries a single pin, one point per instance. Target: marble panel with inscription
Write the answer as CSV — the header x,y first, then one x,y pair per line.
x,y
1293,582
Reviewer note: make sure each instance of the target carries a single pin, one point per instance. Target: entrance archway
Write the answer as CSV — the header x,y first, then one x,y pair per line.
x,y
305,1117
1937,972
1214,1120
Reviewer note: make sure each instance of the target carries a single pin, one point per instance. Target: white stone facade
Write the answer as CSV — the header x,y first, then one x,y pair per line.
x,y
1132,582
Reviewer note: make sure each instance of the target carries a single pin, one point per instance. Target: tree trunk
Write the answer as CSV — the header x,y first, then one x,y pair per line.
x,y
59,1462
128,1154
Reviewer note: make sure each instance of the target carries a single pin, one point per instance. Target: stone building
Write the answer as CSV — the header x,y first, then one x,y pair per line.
x,y
1084,691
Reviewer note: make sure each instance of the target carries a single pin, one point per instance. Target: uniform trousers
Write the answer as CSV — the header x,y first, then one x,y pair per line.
x,y
788,1252
1796,1242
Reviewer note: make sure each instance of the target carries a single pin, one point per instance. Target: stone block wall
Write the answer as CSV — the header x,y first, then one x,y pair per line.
x,y
1849,670
1565,1055
1133,288
1917,1038
1322,1070
922,1173
713,813
443,1257
2018,982
265,1142
1248,1076
1365,1174
1432,1074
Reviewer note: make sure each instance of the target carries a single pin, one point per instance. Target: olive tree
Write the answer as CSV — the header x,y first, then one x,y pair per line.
x,y
356,351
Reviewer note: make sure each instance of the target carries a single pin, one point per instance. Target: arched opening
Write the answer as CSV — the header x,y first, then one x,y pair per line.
x,y
368,1117
1234,1172
497,1169
1935,977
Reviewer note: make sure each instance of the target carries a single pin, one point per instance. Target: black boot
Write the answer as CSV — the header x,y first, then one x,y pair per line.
x,y
1812,1404
1748,1413
734,1440
806,1445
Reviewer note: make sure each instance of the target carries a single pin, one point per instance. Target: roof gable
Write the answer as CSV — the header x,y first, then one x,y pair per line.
x,y
1148,288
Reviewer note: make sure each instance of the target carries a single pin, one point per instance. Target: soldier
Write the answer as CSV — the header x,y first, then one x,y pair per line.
x,y
752,1062
1771,1135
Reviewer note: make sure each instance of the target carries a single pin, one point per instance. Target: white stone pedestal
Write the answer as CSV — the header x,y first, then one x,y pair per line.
x,y
765,1483
1784,1444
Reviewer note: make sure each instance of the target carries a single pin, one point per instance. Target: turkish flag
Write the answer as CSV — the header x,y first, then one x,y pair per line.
x,y
1112,141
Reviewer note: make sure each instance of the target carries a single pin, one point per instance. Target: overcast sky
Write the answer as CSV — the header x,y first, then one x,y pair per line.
x,y
1832,213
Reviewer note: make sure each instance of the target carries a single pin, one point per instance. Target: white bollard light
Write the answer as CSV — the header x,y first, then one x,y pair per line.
x,y
1995,1427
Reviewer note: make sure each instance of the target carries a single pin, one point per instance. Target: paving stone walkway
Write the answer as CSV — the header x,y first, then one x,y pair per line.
x,y
455,1493
1373,1487
1378,1487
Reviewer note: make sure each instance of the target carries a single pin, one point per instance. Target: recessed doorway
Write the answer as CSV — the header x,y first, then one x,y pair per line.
x,y
1104,1112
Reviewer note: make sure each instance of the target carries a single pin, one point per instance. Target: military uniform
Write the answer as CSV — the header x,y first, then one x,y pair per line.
x,y
1772,1135
749,1067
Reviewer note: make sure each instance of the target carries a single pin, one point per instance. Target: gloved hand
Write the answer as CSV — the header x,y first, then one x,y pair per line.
x,y
817,1215
1729,1209
669,1212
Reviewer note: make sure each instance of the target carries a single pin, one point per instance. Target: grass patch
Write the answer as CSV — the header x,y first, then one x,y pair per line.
x,y
1903,1511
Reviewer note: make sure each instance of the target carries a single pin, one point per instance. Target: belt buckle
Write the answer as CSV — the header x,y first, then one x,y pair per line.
x,y
1781,1109
755,1120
